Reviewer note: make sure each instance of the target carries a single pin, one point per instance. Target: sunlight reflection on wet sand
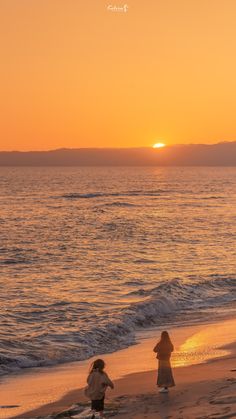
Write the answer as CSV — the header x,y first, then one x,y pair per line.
x,y
193,345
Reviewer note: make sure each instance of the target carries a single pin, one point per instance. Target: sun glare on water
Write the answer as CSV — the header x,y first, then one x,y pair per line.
x,y
159,145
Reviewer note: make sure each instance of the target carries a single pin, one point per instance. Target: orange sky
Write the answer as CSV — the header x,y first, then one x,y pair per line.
x,y
74,74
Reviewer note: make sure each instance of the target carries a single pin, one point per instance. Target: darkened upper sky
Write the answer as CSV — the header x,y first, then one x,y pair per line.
x,y
78,74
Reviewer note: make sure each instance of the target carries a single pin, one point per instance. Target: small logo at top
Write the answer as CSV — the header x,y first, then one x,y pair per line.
x,y
118,9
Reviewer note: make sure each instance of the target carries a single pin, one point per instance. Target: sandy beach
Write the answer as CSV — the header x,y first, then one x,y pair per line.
x,y
204,368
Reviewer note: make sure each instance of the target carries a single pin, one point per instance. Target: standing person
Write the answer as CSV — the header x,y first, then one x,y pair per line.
x,y
163,349
98,381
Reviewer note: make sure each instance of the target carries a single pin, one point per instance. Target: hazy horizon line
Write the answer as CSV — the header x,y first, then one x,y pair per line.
x,y
116,148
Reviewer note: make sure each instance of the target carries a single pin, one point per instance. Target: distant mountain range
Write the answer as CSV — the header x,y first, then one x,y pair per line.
x,y
221,154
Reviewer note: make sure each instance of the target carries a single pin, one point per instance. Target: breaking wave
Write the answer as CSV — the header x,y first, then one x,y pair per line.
x,y
161,305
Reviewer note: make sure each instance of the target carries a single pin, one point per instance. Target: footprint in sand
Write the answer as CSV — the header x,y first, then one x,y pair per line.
x,y
229,416
224,400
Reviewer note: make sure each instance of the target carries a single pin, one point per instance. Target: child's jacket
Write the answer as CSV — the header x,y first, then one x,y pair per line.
x,y
97,385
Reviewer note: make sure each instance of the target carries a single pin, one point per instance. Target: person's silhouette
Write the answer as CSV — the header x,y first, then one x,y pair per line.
x,y
163,349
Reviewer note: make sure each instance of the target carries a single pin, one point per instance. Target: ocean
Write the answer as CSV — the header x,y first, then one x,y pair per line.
x,y
89,256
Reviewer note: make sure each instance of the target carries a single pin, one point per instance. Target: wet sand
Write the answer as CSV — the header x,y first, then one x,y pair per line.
x,y
206,385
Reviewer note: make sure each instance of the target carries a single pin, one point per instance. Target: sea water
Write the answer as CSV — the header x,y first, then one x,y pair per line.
x,y
90,255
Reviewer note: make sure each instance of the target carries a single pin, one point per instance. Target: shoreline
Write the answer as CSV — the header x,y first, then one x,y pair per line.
x,y
137,393
128,368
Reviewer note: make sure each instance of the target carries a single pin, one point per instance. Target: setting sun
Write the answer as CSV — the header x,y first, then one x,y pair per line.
x,y
159,145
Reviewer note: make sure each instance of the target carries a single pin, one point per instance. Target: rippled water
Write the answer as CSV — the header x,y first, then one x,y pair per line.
x,y
88,255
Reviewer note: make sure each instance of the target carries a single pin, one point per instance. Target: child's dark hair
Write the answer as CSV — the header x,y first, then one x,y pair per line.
x,y
165,337
98,364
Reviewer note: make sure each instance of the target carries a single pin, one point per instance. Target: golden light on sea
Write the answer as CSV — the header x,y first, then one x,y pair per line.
x,y
159,145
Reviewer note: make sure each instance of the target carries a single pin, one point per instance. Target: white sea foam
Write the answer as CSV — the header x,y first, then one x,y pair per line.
x,y
163,304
